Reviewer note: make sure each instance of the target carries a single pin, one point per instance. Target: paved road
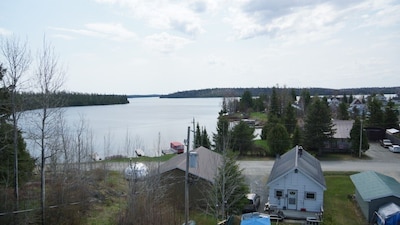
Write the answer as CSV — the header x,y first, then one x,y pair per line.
x,y
380,160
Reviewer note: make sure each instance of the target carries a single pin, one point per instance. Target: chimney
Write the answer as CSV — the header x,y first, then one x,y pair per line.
x,y
300,150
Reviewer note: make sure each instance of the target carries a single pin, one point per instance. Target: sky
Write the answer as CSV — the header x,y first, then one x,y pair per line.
x,y
165,46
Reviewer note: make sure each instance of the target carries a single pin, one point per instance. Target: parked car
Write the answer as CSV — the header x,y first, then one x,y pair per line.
x,y
394,148
386,143
254,203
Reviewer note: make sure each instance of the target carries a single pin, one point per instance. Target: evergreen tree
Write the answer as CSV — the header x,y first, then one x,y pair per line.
x,y
293,95
376,113
278,140
25,162
351,98
318,126
198,137
242,138
297,136
221,138
274,109
258,103
246,102
305,99
205,140
391,116
344,99
227,194
272,121
343,113
355,137
5,106
290,119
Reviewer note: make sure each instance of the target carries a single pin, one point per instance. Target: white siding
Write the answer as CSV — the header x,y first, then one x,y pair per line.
x,y
301,183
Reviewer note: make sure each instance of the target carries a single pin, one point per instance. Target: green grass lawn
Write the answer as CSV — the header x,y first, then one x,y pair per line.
x,y
339,209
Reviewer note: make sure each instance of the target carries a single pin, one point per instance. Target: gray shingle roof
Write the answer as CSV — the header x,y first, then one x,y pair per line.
x,y
372,185
207,163
343,128
304,163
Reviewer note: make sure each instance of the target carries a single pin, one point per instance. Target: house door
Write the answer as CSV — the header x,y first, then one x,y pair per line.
x,y
292,199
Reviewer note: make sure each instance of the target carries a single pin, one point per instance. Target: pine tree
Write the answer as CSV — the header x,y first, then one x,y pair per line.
x,y
242,138
221,138
290,120
205,140
318,127
227,194
376,113
391,116
274,109
198,137
278,140
297,136
355,137
343,113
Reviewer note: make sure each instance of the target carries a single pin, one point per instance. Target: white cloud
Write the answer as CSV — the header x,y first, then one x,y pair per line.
x,y
112,31
302,21
4,32
182,16
165,42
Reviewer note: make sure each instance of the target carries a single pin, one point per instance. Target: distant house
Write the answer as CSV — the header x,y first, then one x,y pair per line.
x,y
204,165
357,107
374,190
296,182
382,98
340,141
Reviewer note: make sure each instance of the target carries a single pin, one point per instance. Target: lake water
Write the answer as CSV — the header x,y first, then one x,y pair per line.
x,y
148,123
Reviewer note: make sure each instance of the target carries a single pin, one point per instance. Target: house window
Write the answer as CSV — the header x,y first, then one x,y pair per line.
x,y
278,193
310,196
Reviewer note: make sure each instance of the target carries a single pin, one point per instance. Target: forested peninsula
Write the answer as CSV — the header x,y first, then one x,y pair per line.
x,y
66,99
237,92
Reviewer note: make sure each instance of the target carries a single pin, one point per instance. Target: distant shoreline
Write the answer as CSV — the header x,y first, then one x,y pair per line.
x,y
238,92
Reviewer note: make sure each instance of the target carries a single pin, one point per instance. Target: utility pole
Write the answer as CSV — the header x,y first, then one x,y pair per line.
x,y
359,151
187,142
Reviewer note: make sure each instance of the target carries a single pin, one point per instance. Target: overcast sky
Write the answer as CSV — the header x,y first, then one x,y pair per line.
x,y
164,46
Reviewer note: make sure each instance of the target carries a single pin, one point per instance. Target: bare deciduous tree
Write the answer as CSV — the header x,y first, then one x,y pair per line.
x,y
48,80
18,59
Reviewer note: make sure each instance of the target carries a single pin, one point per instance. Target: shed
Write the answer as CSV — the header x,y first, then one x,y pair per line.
x,y
373,190
296,182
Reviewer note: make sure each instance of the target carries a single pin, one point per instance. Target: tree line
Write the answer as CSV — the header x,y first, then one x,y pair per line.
x,y
238,92
68,99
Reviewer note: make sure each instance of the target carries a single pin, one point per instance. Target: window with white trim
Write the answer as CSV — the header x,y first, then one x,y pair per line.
x,y
310,195
278,193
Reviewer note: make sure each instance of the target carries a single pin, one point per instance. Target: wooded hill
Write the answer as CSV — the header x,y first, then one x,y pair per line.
x,y
237,92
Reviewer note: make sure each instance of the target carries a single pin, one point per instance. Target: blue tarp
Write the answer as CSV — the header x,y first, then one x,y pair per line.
x,y
389,214
255,219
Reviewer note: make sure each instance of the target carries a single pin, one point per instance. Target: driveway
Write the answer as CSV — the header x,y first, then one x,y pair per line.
x,y
380,160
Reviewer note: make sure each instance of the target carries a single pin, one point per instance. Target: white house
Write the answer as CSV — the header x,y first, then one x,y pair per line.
x,y
296,182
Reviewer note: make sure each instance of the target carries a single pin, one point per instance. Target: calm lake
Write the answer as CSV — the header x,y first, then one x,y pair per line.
x,y
148,123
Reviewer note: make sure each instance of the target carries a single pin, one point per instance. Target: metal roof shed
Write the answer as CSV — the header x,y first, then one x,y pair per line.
x,y
374,190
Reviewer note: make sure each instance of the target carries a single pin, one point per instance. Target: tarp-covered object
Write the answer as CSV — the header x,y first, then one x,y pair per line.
x,y
389,214
255,219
